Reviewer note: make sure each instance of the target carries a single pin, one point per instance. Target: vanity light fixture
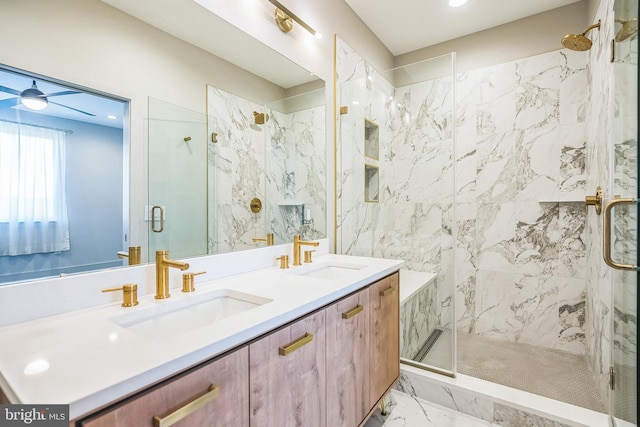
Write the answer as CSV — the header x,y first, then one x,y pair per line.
x,y
456,3
284,17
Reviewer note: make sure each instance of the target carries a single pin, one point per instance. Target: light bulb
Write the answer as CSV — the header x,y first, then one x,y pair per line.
x,y
34,103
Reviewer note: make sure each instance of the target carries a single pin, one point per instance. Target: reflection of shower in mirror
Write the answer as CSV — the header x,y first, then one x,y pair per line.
x,y
260,118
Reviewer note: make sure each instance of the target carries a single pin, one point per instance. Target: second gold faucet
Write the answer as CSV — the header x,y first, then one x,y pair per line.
x,y
162,272
296,248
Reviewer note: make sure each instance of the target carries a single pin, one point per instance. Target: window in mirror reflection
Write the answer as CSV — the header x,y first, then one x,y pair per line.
x,y
62,187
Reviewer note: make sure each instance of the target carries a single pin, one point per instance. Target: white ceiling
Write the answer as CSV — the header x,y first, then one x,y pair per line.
x,y
407,25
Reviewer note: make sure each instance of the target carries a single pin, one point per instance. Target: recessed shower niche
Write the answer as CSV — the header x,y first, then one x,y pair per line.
x,y
371,184
371,139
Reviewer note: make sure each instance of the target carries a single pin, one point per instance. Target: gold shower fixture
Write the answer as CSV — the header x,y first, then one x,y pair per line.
x,y
260,118
579,42
284,19
628,30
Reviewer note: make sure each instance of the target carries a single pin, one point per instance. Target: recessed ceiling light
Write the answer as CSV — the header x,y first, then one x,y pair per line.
x,y
112,117
456,3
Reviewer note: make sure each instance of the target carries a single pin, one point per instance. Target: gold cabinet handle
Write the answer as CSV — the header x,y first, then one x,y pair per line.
x,y
606,241
306,339
349,314
187,409
387,291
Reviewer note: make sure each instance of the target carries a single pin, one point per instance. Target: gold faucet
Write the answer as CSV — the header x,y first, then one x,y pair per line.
x,y
296,248
162,273
133,255
269,239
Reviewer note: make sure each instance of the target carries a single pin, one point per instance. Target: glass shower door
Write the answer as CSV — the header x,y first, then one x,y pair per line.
x,y
177,207
624,216
395,190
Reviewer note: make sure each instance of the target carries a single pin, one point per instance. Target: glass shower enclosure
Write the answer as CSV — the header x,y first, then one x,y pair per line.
x,y
395,189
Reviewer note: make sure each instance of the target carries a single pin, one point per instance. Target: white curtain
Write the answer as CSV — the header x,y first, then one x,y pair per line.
x,y
33,206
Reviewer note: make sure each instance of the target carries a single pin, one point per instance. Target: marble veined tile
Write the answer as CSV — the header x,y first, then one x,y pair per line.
x,y
518,237
517,308
537,91
572,241
574,78
407,411
447,396
510,417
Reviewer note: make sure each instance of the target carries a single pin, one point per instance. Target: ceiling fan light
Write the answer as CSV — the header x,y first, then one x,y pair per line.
x,y
34,103
456,3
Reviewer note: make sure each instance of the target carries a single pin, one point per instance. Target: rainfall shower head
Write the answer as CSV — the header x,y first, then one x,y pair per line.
x,y
628,30
579,42
260,118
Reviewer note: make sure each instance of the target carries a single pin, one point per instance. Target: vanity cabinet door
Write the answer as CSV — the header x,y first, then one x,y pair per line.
x,y
384,325
287,375
228,374
348,360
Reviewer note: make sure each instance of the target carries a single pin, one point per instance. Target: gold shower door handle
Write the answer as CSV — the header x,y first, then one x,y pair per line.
x,y
606,241
153,219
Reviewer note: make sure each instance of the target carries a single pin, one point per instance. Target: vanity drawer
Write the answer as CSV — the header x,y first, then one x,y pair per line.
x,y
214,394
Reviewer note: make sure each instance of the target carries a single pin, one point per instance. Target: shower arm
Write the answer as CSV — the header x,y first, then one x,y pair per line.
x,y
591,27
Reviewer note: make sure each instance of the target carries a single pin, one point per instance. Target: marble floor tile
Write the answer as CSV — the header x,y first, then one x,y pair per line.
x,y
406,411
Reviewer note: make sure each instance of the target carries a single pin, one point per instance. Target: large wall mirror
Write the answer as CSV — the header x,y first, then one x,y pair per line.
x,y
203,169
63,187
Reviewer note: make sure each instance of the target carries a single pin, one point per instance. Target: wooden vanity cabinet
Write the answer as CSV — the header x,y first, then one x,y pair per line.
x,y
287,374
230,408
329,368
384,327
348,360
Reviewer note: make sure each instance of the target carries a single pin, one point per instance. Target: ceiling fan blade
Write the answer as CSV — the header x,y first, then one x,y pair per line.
x,y
66,92
9,90
9,102
71,108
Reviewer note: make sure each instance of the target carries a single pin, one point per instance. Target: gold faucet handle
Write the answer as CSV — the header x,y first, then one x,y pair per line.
x,y
307,256
269,240
133,255
129,294
187,281
284,261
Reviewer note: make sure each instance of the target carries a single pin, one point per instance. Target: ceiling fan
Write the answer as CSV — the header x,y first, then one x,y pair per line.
x,y
34,99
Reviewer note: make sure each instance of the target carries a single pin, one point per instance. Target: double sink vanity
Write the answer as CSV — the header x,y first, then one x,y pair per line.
x,y
252,345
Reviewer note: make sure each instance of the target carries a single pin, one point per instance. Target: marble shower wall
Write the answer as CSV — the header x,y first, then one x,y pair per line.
x,y
520,178
413,217
296,174
236,172
286,173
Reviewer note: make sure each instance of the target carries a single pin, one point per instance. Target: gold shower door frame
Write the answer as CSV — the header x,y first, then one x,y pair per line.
x,y
624,218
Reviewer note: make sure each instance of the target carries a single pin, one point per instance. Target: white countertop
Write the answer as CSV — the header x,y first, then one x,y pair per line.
x,y
93,361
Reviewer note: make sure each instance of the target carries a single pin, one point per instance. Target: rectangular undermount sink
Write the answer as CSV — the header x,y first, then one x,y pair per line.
x,y
328,271
170,318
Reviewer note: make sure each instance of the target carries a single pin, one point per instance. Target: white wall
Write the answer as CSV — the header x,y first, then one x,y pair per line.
x,y
515,40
